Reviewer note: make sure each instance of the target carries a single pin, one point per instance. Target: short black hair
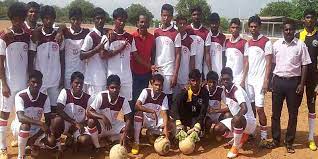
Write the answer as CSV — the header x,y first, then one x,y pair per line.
x,y
236,21
167,7
77,75
195,8
33,4
214,17
113,79
157,77
291,22
212,75
310,12
98,11
17,9
36,74
75,12
254,19
120,12
195,74
180,17
47,11
227,71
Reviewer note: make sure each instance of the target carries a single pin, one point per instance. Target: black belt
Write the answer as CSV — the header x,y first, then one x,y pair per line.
x,y
288,78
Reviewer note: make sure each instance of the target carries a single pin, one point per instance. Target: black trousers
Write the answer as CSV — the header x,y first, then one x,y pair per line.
x,y
284,88
311,82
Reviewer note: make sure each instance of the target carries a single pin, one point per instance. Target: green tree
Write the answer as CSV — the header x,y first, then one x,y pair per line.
x,y
302,5
282,8
183,8
224,24
135,10
61,14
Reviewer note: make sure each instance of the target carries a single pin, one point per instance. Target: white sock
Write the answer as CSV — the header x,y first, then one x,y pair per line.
x,y
311,120
263,132
3,132
22,142
237,133
94,135
137,128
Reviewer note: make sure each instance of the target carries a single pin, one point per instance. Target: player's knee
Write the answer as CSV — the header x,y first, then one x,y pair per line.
x,y
4,115
219,129
227,115
84,140
57,126
91,123
238,122
138,117
25,127
51,141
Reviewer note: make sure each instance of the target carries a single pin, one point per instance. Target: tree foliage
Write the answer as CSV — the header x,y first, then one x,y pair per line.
x,y
135,10
183,8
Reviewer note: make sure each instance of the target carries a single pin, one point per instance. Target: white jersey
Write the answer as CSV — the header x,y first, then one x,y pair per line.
x,y
166,41
201,38
120,63
73,45
32,108
256,50
234,52
47,59
75,107
15,49
102,104
236,96
95,67
187,50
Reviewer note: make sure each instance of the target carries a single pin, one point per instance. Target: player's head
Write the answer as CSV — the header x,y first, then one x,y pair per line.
x,y
235,27
195,79
33,11
47,15
99,16
181,22
120,16
310,17
142,23
157,82
289,29
254,24
35,81
227,77
214,21
75,15
113,85
196,14
166,14
212,79
17,13
77,81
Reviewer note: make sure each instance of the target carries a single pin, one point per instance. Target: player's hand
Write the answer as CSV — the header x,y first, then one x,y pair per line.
x,y
59,38
179,126
123,47
155,117
265,87
155,68
110,35
123,139
196,128
166,132
173,81
80,127
100,46
300,89
107,123
6,90
211,110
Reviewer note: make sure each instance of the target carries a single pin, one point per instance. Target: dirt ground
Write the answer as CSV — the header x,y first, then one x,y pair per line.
x,y
210,149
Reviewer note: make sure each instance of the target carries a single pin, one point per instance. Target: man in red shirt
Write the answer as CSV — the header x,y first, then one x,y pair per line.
x,y
141,70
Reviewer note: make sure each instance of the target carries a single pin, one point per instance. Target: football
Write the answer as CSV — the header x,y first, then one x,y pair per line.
x,y
187,146
118,152
162,145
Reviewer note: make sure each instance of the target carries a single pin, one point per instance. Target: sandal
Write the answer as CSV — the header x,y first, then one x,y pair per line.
x,y
290,148
271,145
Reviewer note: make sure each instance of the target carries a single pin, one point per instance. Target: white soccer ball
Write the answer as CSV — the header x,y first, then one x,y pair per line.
x,y
162,145
187,146
118,152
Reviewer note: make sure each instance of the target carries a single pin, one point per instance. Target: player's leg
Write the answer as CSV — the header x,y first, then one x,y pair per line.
x,y
138,119
93,131
238,125
222,129
167,89
84,140
259,104
23,137
311,102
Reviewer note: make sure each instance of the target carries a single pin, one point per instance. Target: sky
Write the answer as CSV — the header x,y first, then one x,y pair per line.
x,y
225,8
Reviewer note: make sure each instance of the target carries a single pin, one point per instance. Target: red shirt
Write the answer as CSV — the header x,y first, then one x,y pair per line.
x,y
144,48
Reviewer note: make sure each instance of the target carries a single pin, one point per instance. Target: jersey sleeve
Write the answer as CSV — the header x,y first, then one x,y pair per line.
x,y
133,46
47,106
164,105
177,40
97,102
62,97
87,44
268,48
305,57
19,103
3,47
207,41
239,96
126,108
143,96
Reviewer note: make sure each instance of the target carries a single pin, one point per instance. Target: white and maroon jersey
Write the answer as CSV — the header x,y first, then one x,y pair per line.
x,y
158,104
74,107
47,59
95,67
201,38
120,63
256,50
73,44
234,52
236,96
216,53
186,52
102,104
15,48
166,42
215,97
28,28
32,108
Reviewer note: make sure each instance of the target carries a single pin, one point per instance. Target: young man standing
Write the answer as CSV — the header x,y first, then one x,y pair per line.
x,y
14,46
257,67
234,51
32,17
310,36
201,39
168,51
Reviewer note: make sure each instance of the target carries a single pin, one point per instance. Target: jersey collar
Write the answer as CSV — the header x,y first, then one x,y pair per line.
x,y
196,28
77,97
73,32
47,34
215,35
259,37
230,89
118,33
235,40
109,99
97,31
31,97
168,28
216,88
14,33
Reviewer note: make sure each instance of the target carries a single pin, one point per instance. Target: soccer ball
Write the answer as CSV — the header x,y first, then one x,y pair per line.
x,y
187,146
118,152
162,145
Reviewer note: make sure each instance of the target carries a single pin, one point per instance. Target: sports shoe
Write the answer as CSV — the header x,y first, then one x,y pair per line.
x,y
14,143
233,153
135,149
4,154
264,143
312,145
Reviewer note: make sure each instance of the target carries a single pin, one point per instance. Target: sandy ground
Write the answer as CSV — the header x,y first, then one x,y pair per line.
x,y
209,149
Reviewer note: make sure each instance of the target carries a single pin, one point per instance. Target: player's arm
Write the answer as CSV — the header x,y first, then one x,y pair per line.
x,y
5,87
27,120
33,48
176,67
192,62
146,64
61,112
140,107
268,67
165,117
87,45
245,71
107,53
204,108
59,37
243,109
206,54
62,61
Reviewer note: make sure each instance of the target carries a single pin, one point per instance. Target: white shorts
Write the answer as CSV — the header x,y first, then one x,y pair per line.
x,y
93,90
255,94
52,92
151,123
7,104
126,90
117,126
166,84
15,128
77,133
250,125
214,117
